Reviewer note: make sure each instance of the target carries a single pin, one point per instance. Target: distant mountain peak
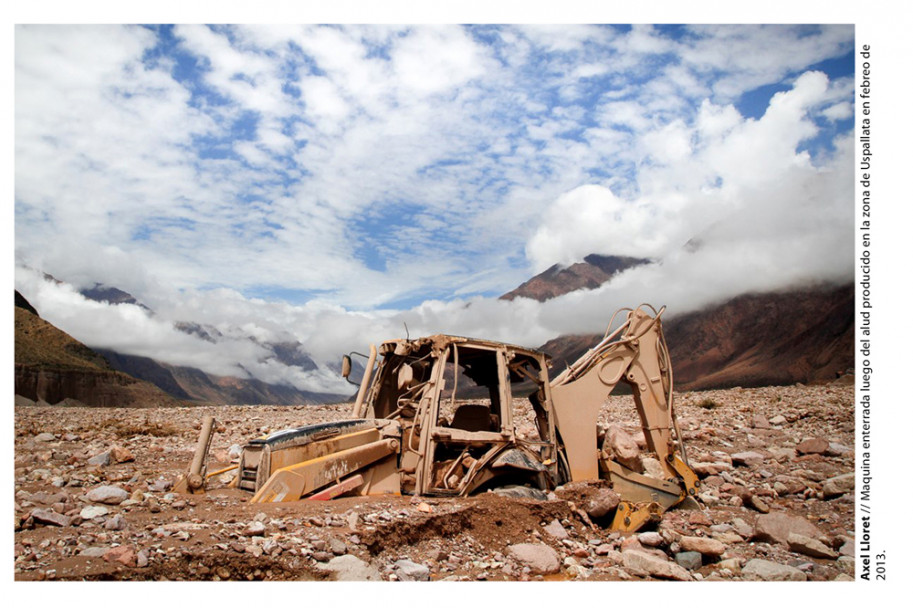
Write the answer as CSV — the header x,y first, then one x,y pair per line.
x,y
593,271
112,295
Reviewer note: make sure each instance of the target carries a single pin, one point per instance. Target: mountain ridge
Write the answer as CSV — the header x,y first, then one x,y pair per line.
x,y
593,271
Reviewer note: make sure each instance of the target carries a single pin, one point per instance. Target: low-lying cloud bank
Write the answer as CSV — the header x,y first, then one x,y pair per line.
x,y
725,205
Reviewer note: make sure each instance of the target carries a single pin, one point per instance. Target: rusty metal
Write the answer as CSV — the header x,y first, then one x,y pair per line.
x,y
435,416
195,478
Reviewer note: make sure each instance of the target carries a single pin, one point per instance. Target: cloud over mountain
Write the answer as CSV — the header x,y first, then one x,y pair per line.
x,y
326,184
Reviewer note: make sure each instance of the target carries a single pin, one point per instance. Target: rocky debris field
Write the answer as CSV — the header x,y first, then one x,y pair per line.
x,y
94,500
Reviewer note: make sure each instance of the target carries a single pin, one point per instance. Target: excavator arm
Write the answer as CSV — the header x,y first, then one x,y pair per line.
x,y
635,354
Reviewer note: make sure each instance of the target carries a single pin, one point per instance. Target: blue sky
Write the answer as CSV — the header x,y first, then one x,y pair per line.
x,y
292,178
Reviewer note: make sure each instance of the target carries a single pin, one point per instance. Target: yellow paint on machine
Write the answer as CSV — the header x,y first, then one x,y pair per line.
x,y
294,481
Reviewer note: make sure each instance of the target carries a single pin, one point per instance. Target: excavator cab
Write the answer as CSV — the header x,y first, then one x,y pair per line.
x,y
439,416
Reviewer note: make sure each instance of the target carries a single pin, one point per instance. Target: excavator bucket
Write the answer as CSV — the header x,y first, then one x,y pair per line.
x,y
635,354
436,416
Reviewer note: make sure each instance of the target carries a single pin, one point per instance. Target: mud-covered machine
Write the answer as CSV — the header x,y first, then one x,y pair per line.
x,y
438,416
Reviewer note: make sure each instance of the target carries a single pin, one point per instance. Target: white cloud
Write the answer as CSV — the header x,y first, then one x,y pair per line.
x,y
461,158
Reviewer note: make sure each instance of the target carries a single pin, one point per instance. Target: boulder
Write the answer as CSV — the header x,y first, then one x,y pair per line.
x,y
758,421
647,564
839,485
747,459
539,558
689,560
350,568
407,570
93,511
556,530
813,445
771,571
702,545
49,517
122,555
100,460
810,546
109,495
623,448
776,527
119,454
602,502
255,528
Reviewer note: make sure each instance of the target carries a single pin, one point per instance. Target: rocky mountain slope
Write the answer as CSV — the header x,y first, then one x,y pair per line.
x,y
194,384
592,272
184,382
51,366
752,340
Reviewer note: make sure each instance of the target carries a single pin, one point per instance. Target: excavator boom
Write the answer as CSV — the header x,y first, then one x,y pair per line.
x,y
635,354
436,416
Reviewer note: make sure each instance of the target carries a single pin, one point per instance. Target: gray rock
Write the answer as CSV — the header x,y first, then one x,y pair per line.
x,y
93,552
624,448
690,560
337,546
776,527
45,437
521,492
556,530
350,568
602,502
50,517
109,495
116,523
747,459
93,511
770,571
100,460
778,420
255,528
650,539
539,558
758,421
652,468
810,546
162,485
643,563
839,485
407,570
45,498
837,449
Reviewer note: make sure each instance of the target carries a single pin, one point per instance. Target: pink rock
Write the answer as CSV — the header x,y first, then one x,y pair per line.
x,y
122,555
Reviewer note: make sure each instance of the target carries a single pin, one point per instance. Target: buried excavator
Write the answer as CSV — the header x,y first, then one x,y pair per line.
x,y
441,416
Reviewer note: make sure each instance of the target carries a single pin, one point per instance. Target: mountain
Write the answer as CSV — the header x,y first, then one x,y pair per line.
x,y
592,272
51,366
804,335
194,384
111,295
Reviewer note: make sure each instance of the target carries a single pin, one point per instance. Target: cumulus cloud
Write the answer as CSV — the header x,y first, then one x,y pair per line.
x,y
327,184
